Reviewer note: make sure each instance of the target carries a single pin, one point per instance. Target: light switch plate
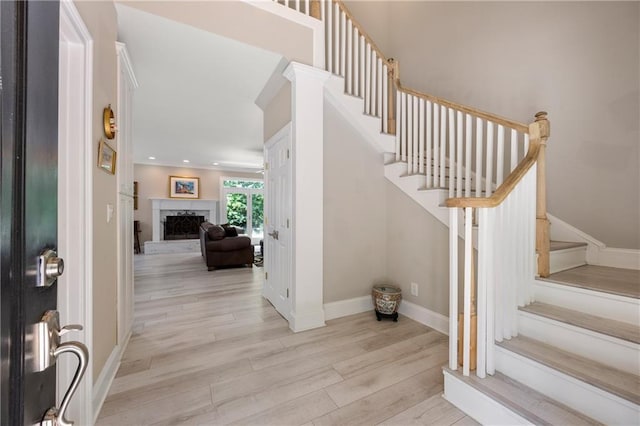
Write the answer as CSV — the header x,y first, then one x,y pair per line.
x,y
109,212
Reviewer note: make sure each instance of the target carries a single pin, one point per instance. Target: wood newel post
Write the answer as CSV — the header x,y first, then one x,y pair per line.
x,y
314,9
539,130
391,95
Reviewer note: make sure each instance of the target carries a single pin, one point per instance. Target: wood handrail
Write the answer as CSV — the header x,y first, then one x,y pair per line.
x,y
539,132
466,109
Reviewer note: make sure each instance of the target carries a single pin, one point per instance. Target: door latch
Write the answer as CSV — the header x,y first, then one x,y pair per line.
x,y
45,349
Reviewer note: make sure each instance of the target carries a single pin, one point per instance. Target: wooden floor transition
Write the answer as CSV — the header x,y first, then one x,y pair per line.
x,y
207,349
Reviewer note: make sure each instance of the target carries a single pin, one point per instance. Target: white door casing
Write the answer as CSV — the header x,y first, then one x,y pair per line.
x,y
278,213
75,224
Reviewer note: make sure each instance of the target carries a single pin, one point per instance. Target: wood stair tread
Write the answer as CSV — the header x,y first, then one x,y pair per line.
x,y
624,384
524,401
623,282
564,245
617,329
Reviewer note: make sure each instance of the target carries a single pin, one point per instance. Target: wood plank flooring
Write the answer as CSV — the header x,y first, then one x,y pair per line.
x,y
207,349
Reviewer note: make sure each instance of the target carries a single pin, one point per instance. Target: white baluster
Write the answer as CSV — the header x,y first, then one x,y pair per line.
x,y
421,141
409,115
497,268
467,151
443,145
436,144
500,156
329,31
343,44
482,311
452,153
416,157
479,145
356,62
468,248
526,143
336,39
489,260
403,124
398,125
349,73
385,98
429,130
373,82
362,67
514,150
323,12
380,80
367,81
459,121
489,175
453,289
306,7
298,5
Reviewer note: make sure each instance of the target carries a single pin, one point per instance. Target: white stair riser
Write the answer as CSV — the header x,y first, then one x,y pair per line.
x,y
561,260
477,405
580,396
611,306
607,350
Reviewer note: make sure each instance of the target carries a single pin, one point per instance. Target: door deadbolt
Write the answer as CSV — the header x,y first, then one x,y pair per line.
x,y
50,267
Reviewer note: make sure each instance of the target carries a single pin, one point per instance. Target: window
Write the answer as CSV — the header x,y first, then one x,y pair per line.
x,y
243,204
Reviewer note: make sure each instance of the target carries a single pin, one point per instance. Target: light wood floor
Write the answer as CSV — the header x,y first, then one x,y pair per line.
x,y
208,349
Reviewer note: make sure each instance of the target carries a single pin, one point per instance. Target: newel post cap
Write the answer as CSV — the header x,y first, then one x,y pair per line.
x,y
542,122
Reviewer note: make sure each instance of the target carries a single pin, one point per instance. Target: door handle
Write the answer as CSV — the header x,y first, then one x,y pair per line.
x,y
273,235
56,416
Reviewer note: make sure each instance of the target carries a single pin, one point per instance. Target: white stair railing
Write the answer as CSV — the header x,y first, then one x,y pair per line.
x,y
469,152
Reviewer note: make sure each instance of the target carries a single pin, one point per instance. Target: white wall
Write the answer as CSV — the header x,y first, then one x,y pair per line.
x,y
580,61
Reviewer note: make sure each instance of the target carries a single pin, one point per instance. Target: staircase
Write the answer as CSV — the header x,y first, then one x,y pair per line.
x,y
564,349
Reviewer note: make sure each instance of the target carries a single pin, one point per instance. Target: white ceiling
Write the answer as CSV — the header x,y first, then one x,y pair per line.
x,y
195,99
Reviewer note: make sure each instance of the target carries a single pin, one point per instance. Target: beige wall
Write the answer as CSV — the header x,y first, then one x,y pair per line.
x,y
278,112
579,61
417,251
153,182
355,232
100,19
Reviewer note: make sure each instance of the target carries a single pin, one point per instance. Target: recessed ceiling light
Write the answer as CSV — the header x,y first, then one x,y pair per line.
x,y
215,164
185,161
152,158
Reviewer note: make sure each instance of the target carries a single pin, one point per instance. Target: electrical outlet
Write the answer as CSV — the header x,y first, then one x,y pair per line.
x,y
414,289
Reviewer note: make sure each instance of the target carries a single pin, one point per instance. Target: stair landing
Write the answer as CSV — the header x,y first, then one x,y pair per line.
x,y
622,282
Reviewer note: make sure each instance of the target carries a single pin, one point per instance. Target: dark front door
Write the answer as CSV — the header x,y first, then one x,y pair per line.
x,y
28,199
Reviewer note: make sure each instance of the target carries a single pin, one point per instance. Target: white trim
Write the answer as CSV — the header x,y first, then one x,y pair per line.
x,y
581,396
75,296
125,62
272,86
425,316
306,319
561,260
105,379
597,252
346,307
257,169
477,405
316,25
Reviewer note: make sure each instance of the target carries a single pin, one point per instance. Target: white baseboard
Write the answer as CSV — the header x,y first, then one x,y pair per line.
x,y
343,308
580,396
425,316
597,252
307,320
105,379
477,405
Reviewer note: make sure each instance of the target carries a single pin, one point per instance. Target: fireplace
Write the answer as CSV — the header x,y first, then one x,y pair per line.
x,y
183,226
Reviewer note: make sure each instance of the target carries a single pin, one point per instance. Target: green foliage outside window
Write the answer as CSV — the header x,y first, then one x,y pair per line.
x,y
237,205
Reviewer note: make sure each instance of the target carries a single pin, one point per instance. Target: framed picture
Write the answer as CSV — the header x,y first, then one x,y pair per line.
x,y
184,187
106,158
135,195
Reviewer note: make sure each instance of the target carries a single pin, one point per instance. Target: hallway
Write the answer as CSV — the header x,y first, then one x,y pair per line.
x,y
208,349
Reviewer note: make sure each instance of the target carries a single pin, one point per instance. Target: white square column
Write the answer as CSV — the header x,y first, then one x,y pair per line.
x,y
307,110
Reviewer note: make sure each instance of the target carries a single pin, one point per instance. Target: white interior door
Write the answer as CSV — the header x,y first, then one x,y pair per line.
x,y
277,238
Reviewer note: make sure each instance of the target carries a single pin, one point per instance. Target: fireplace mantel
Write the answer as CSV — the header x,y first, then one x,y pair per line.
x,y
160,204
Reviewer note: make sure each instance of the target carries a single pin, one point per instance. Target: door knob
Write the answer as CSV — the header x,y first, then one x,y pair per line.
x,y
50,267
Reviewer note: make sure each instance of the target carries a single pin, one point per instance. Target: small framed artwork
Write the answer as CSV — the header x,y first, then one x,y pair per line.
x,y
184,187
106,158
135,195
